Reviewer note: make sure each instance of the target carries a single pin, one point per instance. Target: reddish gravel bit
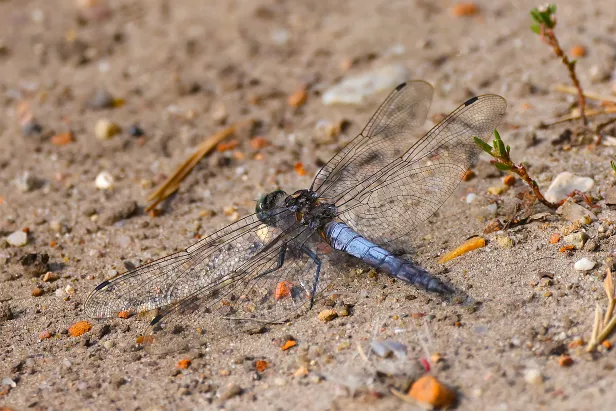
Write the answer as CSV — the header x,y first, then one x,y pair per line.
x,y
464,10
425,364
607,345
62,139
261,365
79,328
258,143
37,292
566,248
298,98
288,344
299,169
577,51
493,226
578,342
428,390
509,180
468,176
124,314
565,361
554,238
44,335
183,364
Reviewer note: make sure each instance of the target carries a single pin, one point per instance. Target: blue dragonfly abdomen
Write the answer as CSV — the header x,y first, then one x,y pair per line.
x,y
342,237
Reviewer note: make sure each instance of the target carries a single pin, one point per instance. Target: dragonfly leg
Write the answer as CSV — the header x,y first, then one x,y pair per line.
x,y
279,264
317,261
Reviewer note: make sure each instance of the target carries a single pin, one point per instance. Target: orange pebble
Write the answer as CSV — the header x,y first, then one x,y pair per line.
x,y
577,51
469,175
607,344
565,361
429,390
62,139
464,10
79,328
183,364
298,98
299,169
509,180
44,335
554,238
566,248
124,314
52,244
37,292
260,365
258,143
575,343
469,245
288,344
283,290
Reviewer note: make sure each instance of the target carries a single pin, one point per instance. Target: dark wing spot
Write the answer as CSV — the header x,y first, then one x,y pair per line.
x,y
400,86
471,101
102,285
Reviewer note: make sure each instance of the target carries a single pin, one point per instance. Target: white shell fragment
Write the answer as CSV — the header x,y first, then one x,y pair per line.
x,y
353,90
104,181
17,239
565,183
584,264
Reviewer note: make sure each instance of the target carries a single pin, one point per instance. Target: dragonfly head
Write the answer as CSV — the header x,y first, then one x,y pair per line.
x,y
268,202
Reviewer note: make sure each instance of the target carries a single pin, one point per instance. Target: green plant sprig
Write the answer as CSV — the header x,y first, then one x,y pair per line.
x,y
502,161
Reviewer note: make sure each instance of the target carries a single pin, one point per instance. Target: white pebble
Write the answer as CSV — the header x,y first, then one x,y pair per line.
x,y
104,181
69,290
108,344
17,239
353,90
492,208
470,198
533,376
105,129
565,183
584,264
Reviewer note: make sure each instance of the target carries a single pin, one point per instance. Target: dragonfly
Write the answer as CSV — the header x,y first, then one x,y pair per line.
x,y
278,261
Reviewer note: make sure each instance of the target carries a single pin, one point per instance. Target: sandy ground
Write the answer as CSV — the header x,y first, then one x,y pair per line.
x,y
185,69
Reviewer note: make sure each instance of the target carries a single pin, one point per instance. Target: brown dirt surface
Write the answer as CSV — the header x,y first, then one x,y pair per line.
x,y
183,70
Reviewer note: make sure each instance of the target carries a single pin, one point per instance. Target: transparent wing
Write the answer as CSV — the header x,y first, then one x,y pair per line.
x,y
385,137
388,204
234,280
248,304
175,277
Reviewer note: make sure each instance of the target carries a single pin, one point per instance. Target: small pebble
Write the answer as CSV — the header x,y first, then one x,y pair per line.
x,y
117,212
464,9
565,183
101,99
353,90
498,190
533,376
504,241
577,51
104,181
470,198
37,292
573,212
135,131
230,392
584,264
5,312
69,289
62,139
17,239
577,240
492,208
105,129
108,344
26,182
327,315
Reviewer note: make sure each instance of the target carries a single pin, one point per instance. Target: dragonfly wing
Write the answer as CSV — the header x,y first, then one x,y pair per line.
x,y
411,188
386,137
258,294
211,261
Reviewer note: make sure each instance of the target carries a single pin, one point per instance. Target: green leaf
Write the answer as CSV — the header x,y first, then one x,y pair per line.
x,y
535,28
496,135
613,166
552,8
501,166
508,149
483,145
